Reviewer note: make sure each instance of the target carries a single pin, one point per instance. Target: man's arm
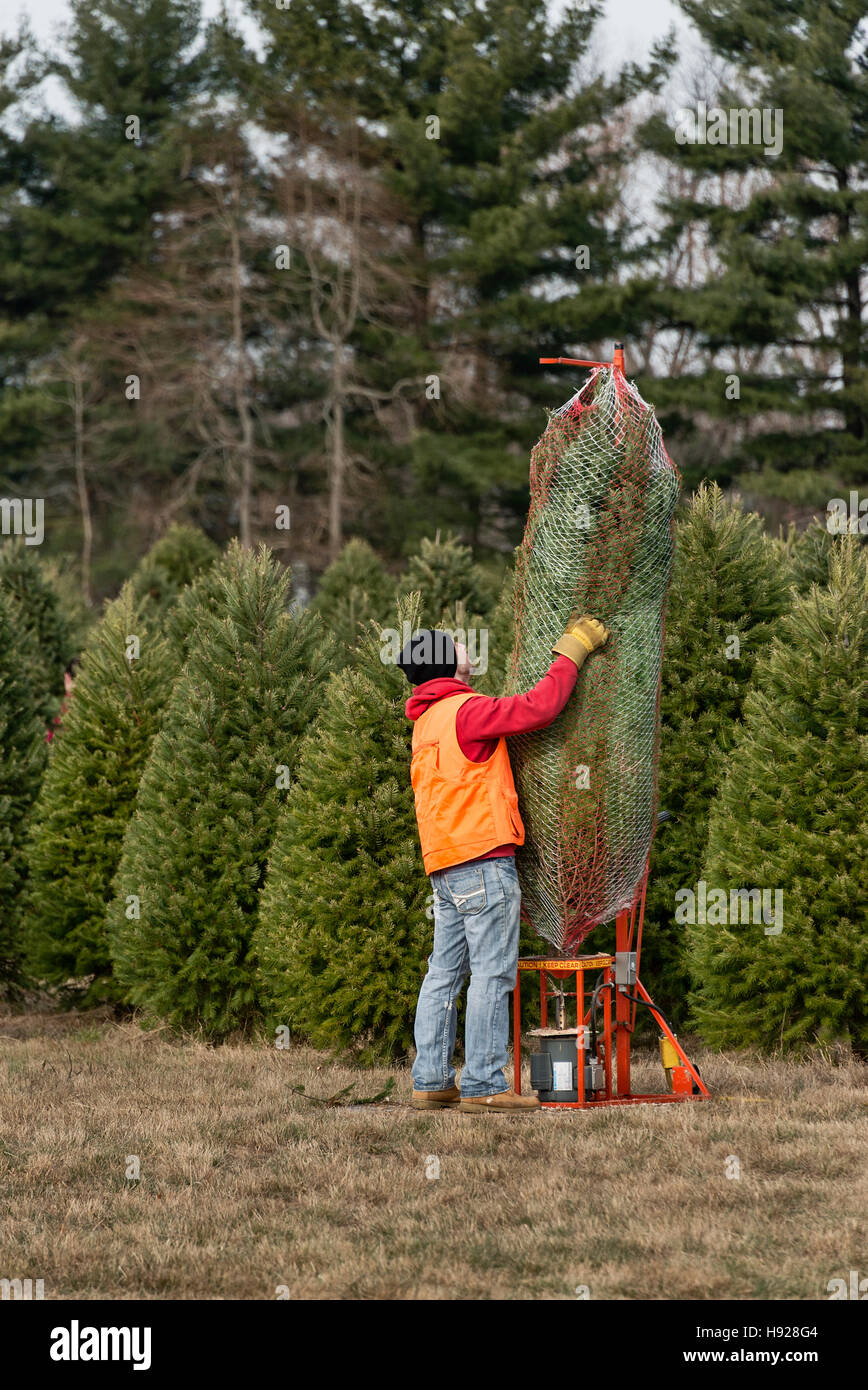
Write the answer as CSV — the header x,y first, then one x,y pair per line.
x,y
486,718
492,717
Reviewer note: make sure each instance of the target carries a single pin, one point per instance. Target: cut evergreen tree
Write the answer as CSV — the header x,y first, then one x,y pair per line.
x,y
22,758
444,573
727,592
790,816
42,630
194,858
354,589
344,930
173,561
89,792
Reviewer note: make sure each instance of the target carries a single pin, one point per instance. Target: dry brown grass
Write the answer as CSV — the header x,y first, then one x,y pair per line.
x,y
245,1186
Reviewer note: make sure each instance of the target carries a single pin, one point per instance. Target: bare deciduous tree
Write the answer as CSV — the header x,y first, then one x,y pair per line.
x,y
343,228
203,321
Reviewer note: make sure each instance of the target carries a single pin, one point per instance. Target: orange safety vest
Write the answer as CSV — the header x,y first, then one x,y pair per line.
x,y
463,809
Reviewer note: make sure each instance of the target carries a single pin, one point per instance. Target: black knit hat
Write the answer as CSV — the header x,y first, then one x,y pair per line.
x,y
428,655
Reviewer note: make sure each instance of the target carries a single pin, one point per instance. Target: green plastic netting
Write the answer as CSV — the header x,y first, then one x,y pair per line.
x,y
598,538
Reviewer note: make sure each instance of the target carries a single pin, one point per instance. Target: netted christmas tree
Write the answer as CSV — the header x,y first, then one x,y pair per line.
x,y
344,926
728,589
22,759
89,792
43,633
172,562
194,858
354,590
444,573
598,539
790,816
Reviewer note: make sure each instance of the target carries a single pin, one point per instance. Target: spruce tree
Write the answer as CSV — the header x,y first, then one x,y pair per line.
x,y
89,792
354,589
501,636
194,857
42,630
809,553
79,618
790,815
22,758
727,592
444,573
346,924
173,561
205,595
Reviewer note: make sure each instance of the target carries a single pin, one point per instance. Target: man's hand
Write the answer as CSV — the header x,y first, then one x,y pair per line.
x,y
584,635
464,669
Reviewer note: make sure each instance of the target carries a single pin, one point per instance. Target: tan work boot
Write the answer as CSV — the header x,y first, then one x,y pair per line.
x,y
505,1101
435,1100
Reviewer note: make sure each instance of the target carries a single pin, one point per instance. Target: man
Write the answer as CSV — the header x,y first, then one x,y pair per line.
x,y
469,826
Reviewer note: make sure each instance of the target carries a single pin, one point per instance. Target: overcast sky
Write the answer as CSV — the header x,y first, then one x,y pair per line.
x,y
629,27
626,32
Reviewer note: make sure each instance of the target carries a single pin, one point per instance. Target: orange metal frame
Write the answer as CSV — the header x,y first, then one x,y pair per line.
x,y
628,928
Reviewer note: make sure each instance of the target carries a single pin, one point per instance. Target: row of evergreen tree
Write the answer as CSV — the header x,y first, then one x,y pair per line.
x,y
224,833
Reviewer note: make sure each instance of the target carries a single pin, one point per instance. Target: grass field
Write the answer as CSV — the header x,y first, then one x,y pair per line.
x,y
247,1188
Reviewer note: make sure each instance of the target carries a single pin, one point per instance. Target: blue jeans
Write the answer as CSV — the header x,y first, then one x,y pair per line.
x,y
476,923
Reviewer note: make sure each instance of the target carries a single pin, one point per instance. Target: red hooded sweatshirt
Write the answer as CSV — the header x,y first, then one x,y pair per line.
x,y
487,718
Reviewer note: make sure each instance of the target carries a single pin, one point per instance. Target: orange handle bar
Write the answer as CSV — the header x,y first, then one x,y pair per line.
x,y
617,360
573,361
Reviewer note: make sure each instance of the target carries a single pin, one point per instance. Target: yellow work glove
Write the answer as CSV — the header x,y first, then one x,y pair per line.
x,y
583,636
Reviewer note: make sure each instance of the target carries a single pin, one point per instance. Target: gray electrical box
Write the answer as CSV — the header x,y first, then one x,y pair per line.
x,y
626,972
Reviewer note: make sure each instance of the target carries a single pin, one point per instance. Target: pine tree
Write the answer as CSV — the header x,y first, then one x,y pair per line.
x,y
521,184
790,815
173,561
726,595
195,853
22,758
344,927
79,197
42,630
444,574
780,212
89,791
354,589
84,196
